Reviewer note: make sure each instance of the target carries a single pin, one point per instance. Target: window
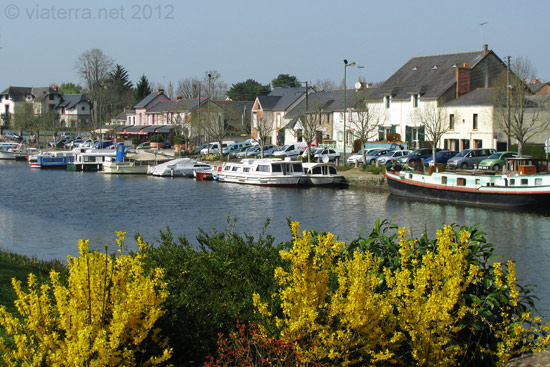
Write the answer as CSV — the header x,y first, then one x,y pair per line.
x,y
415,100
479,144
524,182
475,121
297,167
276,168
388,101
461,181
52,97
451,121
444,180
262,168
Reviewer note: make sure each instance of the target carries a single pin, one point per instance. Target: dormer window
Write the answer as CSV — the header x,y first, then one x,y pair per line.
x,y
415,98
387,101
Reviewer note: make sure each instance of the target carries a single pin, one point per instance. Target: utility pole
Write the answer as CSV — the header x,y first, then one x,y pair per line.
x,y
508,92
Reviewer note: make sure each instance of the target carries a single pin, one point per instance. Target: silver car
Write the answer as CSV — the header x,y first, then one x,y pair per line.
x,y
390,156
469,158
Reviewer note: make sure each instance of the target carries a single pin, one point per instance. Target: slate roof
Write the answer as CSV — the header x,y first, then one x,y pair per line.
x,y
145,101
280,99
330,101
40,93
17,93
477,97
71,100
176,106
430,76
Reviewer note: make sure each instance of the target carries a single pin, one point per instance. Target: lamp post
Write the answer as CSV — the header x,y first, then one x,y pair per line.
x,y
346,64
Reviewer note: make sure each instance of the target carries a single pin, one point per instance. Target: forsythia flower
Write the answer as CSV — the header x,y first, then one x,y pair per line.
x,y
100,318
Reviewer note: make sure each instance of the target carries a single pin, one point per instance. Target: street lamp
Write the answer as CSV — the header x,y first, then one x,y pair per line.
x,y
346,64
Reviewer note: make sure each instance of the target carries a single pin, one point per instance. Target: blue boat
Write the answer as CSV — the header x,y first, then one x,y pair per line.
x,y
55,159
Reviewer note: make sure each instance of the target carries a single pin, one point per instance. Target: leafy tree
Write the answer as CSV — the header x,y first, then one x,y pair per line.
x,y
70,88
143,88
393,300
210,286
285,81
247,90
24,117
102,317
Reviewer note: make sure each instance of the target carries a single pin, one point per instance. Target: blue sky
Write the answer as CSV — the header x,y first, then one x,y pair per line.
x,y
169,40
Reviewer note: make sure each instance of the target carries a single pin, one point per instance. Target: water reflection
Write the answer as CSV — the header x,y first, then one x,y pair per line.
x,y
43,213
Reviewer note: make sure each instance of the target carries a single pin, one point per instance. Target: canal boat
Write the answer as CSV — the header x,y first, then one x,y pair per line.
x,y
90,159
55,159
126,162
264,172
525,182
324,174
179,167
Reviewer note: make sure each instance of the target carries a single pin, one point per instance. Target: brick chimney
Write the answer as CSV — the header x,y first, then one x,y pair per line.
x,y
462,80
485,49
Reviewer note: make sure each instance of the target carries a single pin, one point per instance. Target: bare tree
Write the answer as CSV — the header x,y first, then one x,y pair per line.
x,y
264,128
365,121
189,88
214,86
517,112
94,68
325,85
435,123
311,122
213,124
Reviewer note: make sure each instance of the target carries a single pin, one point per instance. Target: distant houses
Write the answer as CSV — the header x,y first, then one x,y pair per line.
x,y
72,110
462,86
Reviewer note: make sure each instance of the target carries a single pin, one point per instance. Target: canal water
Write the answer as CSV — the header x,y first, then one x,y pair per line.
x,y
44,213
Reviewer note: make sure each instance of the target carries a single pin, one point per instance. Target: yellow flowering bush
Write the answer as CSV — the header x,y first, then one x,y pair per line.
x,y
423,302
103,316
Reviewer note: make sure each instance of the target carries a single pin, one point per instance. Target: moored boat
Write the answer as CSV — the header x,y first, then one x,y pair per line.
x,y
264,172
324,174
55,159
90,159
179,167
525,183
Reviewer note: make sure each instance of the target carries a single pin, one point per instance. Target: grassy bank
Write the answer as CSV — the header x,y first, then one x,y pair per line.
x,y
18,266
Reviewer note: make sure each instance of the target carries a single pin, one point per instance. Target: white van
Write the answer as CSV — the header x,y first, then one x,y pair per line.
x,y
213,148
292,150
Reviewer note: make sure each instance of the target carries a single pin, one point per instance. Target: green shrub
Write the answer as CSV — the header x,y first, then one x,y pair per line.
x,y
211,285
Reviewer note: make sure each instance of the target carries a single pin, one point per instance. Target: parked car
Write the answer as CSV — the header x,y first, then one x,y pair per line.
x,y
200,147
496,161
390,156
358,157
440,157
469,158
103,144
144,145
13,137
314,150
236,147
327,153
417,156
372,156
292,150
213,148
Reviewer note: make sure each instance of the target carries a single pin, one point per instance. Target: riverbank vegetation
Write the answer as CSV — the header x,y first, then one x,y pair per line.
x,y
384,299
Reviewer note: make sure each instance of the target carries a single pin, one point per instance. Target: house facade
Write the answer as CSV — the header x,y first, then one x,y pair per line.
x,y
141,108
431,82
72,109
270,111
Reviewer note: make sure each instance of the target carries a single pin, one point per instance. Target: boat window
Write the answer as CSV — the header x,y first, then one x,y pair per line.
x,y
444,180
524,181
332,170
227,168
512,182
276,168
477,181
538,181
262,168
235,168
461,181
298,167
246,169
317,170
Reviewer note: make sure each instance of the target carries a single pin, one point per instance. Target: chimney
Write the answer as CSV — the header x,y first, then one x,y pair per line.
x,y
160,91
179,98
54,87
485,49
462,80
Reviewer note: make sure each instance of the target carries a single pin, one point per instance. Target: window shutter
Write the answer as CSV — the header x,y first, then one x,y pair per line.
x,y
381,133
421,135
408,134
394,129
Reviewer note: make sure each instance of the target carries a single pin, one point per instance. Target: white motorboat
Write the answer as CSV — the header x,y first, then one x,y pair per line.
x,y
17,152
324,174
90,159
264,172
179,167
132,163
